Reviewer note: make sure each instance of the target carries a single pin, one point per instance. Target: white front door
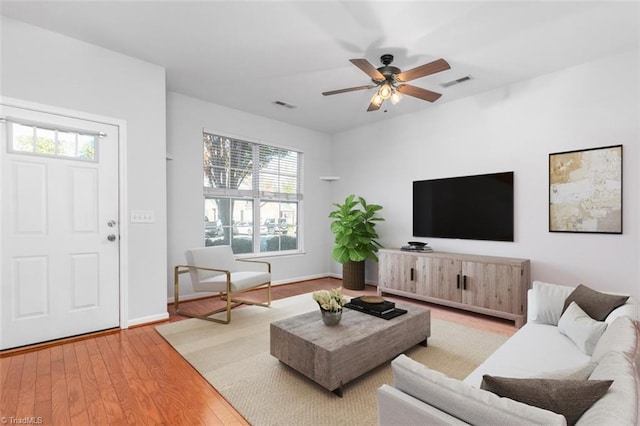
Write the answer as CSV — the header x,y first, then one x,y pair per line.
x,y
59,226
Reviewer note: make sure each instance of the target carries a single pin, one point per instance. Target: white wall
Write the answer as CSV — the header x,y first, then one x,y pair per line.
x,y
48,68
513,128
186,118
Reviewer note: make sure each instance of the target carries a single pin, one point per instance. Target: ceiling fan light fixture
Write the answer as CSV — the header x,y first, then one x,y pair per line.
x,y
385,91
377,99
390,82
395,97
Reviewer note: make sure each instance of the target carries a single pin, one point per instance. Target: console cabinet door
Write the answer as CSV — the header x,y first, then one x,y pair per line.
x,y
398,271
439,278
492,286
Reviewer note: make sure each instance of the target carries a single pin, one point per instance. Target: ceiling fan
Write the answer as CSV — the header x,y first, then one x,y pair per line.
x,y
390,81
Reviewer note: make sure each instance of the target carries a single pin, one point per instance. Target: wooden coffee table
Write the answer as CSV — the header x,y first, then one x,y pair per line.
x,y
333,356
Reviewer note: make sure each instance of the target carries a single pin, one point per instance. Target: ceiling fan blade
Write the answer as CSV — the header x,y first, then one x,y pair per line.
x,y
374,107
418,92
424,70
368,69
350,89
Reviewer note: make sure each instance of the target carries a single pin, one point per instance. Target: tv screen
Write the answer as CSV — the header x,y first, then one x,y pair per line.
x,y
469,207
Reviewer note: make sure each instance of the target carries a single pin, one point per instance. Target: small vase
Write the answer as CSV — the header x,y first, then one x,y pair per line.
x,y
331,318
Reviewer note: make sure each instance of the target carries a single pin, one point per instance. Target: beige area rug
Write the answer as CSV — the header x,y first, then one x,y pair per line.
x,y
235,359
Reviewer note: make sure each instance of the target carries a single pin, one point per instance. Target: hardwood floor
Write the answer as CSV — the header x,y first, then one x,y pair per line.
x,y
134,377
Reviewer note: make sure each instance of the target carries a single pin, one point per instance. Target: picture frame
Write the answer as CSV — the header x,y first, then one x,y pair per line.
x,y
585,191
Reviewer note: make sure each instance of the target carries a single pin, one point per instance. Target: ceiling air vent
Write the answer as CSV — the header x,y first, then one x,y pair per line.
x,y
284,104
456,81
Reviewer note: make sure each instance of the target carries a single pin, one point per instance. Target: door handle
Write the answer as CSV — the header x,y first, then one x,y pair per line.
x,y
458,281
111,237
464,282
411,274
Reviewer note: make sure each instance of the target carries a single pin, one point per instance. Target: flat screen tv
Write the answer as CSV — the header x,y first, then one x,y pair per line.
x,y
476,207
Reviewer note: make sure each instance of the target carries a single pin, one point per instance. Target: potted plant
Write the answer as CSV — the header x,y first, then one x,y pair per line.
x,y
331,303
355,238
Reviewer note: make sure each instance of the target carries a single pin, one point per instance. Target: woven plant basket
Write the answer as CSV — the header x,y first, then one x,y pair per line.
x,y
353,275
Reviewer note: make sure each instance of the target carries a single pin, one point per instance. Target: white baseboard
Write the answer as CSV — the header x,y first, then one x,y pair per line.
x,y
200,295
148,319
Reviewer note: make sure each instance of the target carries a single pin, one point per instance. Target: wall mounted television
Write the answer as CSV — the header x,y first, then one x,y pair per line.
x,y
476,207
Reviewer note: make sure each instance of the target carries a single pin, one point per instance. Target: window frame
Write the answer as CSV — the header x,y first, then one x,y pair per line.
x,y
10,121
256,197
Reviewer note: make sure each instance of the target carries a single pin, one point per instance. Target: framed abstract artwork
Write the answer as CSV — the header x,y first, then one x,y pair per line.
x,y
585,191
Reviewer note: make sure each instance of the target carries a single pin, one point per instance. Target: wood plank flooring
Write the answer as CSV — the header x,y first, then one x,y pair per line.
x,y
133,377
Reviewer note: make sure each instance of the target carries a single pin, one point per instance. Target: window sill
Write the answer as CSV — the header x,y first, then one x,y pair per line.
x,y
270,255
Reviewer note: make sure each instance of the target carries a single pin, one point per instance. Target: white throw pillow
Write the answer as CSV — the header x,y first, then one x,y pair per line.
x,y
549,301
583,330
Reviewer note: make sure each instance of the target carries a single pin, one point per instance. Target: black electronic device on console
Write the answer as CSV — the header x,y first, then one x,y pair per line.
x,y
416,246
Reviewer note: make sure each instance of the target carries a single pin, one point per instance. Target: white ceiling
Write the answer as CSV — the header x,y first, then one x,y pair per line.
x,y
246,55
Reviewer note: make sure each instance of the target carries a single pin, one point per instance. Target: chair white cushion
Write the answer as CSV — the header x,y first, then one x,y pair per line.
x,y
242,280
217,257
221,257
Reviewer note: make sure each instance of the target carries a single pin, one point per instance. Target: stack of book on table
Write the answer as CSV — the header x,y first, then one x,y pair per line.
x,y
376,306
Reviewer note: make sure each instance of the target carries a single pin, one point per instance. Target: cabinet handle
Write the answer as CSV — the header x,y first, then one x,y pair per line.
x,y
411,274
464,282
458,281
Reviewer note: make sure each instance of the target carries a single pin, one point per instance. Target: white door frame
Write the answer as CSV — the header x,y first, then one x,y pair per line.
x,y
122,187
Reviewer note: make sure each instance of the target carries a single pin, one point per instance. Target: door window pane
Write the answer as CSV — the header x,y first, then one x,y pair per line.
x,y
67,144
22,138
45,141
52,143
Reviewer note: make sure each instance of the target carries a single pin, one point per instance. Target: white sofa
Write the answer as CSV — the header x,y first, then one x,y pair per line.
x,y
420,396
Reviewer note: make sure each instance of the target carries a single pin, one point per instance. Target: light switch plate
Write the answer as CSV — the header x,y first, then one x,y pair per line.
x,y
142,216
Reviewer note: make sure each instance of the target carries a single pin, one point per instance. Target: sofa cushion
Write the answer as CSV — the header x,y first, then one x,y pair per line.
x,y
583,330
630,309
571,398
620,336
597,305
462,401
547,301
581,372
397,408
621,404
534,349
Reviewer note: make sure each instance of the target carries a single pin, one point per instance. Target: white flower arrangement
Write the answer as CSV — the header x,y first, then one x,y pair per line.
x,y
330,300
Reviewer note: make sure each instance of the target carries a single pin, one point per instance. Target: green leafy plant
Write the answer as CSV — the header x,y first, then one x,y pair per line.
x,y
354,230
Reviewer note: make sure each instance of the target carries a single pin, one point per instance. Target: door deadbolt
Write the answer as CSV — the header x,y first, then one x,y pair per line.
x,y
111,237
111,223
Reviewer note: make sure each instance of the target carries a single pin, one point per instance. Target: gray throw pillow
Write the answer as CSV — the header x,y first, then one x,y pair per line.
x,y
597,305
570,398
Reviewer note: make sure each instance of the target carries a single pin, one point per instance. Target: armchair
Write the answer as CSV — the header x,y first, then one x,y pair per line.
x,y
214,269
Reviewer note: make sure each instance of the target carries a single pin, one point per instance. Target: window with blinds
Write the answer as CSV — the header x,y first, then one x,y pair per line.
x,y
252,195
